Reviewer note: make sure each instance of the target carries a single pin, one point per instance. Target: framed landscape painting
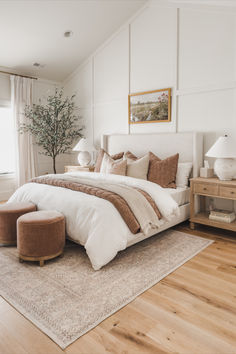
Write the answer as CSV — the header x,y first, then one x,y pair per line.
x,y
150,106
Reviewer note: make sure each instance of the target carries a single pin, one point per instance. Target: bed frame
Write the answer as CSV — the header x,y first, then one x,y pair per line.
x,y
188,145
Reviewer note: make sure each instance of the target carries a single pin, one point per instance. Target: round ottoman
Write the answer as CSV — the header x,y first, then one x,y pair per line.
x,y
40,235
9,213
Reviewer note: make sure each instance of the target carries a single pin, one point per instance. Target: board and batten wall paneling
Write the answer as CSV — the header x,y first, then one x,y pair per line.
x,y
190,49
111,87
209,112
152,62
153,59
206,48
81,85
206,73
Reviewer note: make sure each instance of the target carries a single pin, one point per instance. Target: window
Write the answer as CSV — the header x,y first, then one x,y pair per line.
x,y
7,145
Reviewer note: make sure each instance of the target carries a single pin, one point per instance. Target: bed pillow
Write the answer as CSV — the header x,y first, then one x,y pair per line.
x,y
111,166
163,172
137,168
100,157
129,155
183,173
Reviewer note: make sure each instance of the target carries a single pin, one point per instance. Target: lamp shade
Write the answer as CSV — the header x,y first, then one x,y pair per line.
x,y
224,147
83,145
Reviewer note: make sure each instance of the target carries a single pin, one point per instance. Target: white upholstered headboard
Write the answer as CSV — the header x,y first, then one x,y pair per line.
x,y
188,145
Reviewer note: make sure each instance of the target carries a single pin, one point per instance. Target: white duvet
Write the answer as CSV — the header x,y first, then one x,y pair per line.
x,y
91,221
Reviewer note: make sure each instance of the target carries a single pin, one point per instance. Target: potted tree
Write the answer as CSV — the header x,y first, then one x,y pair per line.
x,y
54,125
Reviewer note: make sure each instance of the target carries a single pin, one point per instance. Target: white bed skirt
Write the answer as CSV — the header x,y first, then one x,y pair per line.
x,y
183,216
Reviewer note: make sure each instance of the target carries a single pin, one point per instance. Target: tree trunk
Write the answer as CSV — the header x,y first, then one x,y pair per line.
x,y
54,164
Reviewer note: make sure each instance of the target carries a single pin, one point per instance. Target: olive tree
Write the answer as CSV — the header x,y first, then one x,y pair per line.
x,y
54,124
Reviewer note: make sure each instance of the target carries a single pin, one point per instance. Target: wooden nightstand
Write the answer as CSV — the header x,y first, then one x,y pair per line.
x,y
76,168
210,187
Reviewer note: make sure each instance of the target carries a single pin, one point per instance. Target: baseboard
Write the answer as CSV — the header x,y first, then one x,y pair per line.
x,y
6,195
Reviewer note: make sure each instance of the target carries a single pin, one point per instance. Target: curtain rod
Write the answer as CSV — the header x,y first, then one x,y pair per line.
x,y
28,77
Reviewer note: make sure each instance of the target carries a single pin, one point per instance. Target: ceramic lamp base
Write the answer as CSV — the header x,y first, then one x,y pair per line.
x,y
84,158
225,169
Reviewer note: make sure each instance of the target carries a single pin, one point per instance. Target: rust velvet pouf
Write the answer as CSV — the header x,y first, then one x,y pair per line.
x,y
9,213
40,235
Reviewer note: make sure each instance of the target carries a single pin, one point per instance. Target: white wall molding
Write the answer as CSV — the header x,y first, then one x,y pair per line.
x,y
92,101
195,5
7,186
105,103
175,100
166,48
129,71
205,5
6,194
5,103
211,3
198,90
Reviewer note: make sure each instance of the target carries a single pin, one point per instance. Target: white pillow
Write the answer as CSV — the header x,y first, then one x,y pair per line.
x,y
183,173
137,168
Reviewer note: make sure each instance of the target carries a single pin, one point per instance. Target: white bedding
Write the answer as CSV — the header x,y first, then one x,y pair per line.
x,y
94,222
181,194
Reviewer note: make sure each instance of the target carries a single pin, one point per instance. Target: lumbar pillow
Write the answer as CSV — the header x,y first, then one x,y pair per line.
x,y
100,157
163,172
111,166
137,168
183,173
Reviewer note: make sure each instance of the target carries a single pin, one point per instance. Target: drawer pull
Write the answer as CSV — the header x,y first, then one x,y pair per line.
x,y
232,192
205,189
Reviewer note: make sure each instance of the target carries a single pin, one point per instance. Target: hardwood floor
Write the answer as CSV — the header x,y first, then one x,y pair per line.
x,y
193,310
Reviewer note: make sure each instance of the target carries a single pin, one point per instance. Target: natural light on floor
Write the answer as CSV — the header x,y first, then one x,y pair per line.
x,y
7,149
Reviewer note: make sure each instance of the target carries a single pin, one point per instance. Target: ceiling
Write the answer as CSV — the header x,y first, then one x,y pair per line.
x,y
32,31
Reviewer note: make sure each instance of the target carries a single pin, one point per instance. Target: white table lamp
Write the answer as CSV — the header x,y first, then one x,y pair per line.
x,y
84,146
224,150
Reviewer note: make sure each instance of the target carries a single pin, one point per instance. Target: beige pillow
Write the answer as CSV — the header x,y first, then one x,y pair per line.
x,y
100,157
137,168
111,166
162,172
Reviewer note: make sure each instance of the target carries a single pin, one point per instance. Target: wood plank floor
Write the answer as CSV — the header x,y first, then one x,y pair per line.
x,y
193,310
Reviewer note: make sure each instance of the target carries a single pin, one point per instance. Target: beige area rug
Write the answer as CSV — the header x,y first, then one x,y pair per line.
x,y
66,298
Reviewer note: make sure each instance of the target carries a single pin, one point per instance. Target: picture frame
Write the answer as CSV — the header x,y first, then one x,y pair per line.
x,y
150,106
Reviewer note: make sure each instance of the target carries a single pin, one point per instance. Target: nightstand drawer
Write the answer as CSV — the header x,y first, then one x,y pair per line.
x,y
227,192
205,189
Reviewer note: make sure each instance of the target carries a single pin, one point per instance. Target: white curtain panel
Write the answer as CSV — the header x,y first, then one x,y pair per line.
x,y
21,95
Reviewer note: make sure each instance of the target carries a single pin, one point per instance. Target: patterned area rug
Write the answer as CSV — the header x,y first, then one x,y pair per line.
x,y
66,298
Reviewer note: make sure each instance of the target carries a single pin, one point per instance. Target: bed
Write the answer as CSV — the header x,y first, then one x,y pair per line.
x,y
189,145
94,222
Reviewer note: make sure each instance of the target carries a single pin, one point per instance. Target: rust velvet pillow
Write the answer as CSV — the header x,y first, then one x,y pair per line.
x,y
163,172
100,157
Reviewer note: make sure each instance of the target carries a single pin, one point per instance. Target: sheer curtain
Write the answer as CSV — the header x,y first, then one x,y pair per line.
x,y
21,95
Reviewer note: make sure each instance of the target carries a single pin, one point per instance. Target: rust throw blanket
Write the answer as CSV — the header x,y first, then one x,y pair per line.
x,y
117,200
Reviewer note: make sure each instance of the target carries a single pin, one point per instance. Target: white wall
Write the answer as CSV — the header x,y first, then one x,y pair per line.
x,y
190,49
